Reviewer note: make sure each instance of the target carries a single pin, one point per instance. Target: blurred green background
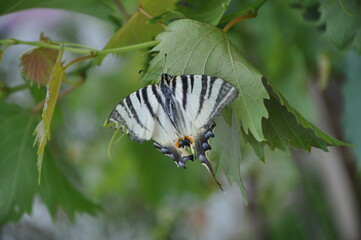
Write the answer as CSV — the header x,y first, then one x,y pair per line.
x,y
143,195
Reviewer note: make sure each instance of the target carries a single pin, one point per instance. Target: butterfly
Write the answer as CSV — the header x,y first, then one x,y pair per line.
x,y
177,114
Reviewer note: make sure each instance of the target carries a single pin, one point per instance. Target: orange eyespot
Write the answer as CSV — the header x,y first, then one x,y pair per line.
x,y
189,138
185,141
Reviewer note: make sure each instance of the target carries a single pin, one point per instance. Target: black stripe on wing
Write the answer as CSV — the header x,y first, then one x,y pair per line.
x,y
203,92
185,90
134,113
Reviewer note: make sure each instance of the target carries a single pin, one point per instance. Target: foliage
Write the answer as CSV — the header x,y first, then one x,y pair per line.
x,y
261,115
18,184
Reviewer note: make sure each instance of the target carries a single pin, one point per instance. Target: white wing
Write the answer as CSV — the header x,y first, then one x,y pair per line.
x,y
203,97
137,113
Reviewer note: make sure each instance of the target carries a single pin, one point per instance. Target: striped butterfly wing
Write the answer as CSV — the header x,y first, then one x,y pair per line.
x,y
145,115
177,114
136,114
203,97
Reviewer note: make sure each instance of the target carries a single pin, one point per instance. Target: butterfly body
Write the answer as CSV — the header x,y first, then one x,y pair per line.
x,y
177,114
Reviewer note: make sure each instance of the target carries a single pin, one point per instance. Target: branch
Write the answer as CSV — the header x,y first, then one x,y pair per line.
x,y
77,48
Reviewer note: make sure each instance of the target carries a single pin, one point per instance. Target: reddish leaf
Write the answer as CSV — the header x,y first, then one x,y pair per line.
x,y
38,64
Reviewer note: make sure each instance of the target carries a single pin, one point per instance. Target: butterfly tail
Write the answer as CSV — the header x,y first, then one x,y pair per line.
x,y
208,165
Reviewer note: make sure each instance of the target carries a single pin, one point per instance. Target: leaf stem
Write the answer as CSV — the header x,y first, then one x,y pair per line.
x,y
236,20
248,10
77,60
39,106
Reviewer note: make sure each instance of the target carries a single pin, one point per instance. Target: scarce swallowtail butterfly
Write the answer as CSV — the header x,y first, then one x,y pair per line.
x,y
177,114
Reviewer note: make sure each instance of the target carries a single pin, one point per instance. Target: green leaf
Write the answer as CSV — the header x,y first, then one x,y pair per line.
x,y
137,29
207,11
38,64
18,171
352,115
226,148
258,147
57,192
42,130
17,163
286,127
197,48
91,7
342,20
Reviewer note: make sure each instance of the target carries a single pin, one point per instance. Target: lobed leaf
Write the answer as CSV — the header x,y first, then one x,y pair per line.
x,y
286,127
38,64
42,131
226,147
193,47
17,163
18,172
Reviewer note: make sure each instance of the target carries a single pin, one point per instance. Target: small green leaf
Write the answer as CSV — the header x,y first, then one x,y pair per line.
x,y
207,11
42,131
197,48
137,29
342,20
38,64
226,148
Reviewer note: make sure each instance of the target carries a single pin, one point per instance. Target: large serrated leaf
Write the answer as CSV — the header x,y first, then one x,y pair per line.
x,y
197,48
42,131
18,171
286,127
226,147
343,23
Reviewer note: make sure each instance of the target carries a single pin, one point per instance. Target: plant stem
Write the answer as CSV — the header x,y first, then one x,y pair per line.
x,y
250,9
79,48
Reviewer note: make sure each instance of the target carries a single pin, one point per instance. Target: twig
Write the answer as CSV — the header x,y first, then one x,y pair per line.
x,y
236,20
250,10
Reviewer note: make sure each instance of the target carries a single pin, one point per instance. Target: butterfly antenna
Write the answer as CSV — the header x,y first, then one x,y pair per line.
x,y
165,61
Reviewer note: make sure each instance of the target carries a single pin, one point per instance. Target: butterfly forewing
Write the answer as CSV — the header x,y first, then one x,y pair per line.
x,y
137,113
206,97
